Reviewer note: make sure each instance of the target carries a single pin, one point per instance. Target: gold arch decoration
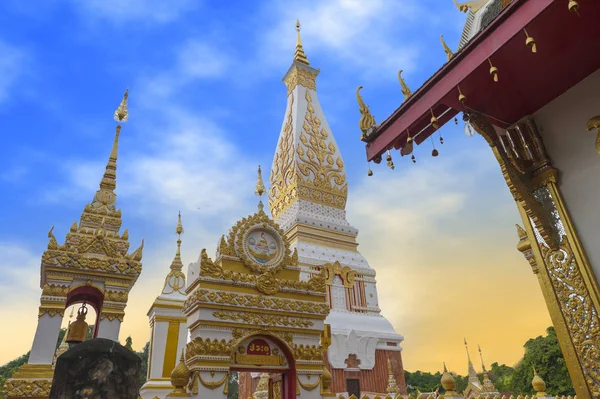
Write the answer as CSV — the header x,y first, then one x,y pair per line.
x,y
309,386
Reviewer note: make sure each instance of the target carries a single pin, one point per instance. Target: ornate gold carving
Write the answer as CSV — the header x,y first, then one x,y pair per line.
x,y
405,89
577,308
524,246
308,352
240,334
308,386
112,316
449,53
533,183
206,347
525,166
212,384
55,290
260,220
301,76
267,284
287,305
313,171
260,360
224,248
263,319
116,296
474,6
367,122
208,267
594,123
50,311
330,270
27,388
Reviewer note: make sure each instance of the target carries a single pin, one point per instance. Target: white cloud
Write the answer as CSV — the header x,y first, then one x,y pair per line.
x,y
363,34
12,67
149,11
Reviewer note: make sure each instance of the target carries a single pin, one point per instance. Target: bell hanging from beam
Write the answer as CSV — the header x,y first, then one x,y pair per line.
x,y
78,329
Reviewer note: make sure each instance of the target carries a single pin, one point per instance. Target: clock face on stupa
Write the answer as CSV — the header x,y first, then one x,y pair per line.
x,y
262,246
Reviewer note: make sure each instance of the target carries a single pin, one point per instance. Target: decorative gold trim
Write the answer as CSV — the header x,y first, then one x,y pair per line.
x,y
264,319
212,385
308,386
301,76
37,388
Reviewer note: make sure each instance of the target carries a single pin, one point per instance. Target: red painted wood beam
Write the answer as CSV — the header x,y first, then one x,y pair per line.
x,y
415,111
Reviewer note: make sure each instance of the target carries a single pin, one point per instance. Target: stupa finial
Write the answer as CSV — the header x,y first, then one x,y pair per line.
x,y
300,55
260,188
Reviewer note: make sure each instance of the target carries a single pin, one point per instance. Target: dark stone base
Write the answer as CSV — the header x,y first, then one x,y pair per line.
x,y
96,369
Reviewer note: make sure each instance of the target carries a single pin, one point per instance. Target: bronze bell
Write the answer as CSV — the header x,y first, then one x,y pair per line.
x,y
78,329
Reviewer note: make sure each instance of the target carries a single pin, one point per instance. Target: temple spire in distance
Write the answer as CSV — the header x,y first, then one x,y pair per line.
x,y
109,180
472,372
481,357
299,55
175,281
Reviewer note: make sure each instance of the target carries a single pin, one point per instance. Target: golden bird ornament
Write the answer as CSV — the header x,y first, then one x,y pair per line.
x,y
405,89
447,50
367,121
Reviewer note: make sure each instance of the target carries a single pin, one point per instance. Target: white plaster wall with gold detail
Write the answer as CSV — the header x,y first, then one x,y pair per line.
x,y
44,341
562,125
307,199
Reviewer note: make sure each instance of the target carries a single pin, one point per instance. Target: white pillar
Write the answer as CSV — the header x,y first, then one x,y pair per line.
x,y
45,340
167,340
109,329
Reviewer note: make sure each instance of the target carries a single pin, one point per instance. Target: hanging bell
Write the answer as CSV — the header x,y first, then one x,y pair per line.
x,y
434,153
370,172
530,42
441,139
388,157
79,328
573,6
455,121
413,158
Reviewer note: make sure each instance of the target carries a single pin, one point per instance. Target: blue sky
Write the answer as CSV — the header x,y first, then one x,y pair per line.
x,y
206,105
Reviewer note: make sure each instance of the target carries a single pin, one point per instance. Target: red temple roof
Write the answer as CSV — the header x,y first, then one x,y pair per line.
x,y
568,50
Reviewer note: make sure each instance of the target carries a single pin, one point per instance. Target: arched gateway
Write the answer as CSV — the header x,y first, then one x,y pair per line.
x,y
248,311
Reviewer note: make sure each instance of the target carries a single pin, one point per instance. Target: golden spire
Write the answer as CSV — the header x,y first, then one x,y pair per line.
x,y
260,186
177,263
481,357
447,50
299,55
259,189
472,372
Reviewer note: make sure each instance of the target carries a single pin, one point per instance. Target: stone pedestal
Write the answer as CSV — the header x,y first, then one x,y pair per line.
x,y
96,369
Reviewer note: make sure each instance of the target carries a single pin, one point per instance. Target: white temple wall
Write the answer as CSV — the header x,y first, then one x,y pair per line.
x,y
109,329
571,147
45,339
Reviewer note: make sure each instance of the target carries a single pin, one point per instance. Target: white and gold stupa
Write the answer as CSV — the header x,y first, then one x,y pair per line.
x,y
307,199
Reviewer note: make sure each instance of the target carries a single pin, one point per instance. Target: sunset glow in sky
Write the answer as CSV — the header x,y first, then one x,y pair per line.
x,y
206,104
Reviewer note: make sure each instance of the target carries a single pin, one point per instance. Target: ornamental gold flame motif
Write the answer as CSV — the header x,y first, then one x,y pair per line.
x,y
307,164
367,121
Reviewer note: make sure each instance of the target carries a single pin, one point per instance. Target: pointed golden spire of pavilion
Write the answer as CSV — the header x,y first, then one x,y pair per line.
x,y
299,55
481,357
472,372
177,264
175,281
